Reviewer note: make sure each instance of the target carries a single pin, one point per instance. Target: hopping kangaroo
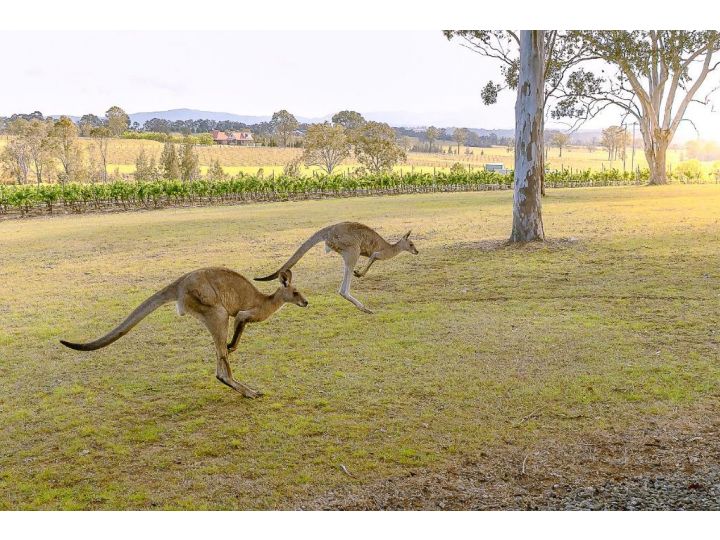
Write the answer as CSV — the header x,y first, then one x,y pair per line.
x,y
350,240
212,295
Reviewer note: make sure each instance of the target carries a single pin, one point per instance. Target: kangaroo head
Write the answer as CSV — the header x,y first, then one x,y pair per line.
x,y
407,245
290,294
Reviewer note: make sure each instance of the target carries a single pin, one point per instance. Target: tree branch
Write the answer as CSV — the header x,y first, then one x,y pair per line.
x,y
691,92
697,132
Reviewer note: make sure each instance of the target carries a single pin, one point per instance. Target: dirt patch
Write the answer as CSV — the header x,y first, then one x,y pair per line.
x,y
501,244
667,464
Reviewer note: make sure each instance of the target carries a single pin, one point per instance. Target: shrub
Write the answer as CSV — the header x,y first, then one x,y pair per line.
x,y
690,169
458,168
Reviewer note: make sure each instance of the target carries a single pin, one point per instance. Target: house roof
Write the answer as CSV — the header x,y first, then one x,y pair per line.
x,y
218,135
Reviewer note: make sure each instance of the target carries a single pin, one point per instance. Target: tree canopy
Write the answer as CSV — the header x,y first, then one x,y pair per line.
x,y
377,148
613,139
64,135
460,135
431,135
562,53
560,140
283,124
117,120
348,119
88,122
326,146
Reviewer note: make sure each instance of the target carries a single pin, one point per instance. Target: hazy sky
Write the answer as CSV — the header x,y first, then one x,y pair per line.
x,y
311,74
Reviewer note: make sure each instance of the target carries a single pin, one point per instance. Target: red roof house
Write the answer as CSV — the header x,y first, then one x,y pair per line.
x,y
242,138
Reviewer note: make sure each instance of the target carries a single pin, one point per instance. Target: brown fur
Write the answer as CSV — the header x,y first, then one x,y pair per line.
x,y
351,240
212,295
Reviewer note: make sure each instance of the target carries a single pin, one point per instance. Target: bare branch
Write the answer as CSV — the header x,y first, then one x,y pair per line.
x,y
486,50
697,131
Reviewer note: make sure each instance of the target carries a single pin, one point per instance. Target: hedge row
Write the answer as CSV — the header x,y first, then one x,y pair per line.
x,y
75,197
201,139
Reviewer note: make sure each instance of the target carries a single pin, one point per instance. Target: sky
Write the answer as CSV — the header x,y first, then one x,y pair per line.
x,y
418,76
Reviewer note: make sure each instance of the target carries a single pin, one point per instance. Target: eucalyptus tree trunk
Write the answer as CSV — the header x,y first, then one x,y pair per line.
x,y
529,148
656,142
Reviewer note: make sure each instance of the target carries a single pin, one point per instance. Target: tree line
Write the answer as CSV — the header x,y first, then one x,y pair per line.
x,y
466,136
45,149
279,131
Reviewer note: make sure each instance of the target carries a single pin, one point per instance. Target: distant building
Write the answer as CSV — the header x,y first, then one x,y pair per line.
x,y
496,167
239,138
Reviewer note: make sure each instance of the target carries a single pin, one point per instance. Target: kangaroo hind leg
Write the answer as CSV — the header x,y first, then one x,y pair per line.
x,y
216,320
350,259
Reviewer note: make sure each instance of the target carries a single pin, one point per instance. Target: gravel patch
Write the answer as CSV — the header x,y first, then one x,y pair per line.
x,y
679,491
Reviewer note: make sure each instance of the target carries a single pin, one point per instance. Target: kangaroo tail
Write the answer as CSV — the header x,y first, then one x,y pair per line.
x,y
319,236
168,294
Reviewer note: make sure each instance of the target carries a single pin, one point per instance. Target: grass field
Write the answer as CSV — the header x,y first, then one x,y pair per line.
x,y
475,349
123,152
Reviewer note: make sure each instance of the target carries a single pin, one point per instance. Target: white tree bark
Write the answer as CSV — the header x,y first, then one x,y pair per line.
x,y
529,149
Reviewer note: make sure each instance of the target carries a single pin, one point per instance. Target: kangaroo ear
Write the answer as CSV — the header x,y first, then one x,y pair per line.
x,y
407,235
286,278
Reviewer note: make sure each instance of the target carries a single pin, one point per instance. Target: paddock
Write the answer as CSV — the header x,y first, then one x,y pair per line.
x,y
503,358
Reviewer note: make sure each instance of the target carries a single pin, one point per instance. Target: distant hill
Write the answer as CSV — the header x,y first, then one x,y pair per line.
x,y
394,118
194,114
75,119
499,132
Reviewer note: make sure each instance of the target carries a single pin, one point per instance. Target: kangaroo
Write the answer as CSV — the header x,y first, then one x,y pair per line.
x,y
212,295
350,240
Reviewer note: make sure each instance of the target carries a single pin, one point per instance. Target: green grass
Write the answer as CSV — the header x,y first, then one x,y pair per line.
x,y
474,346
